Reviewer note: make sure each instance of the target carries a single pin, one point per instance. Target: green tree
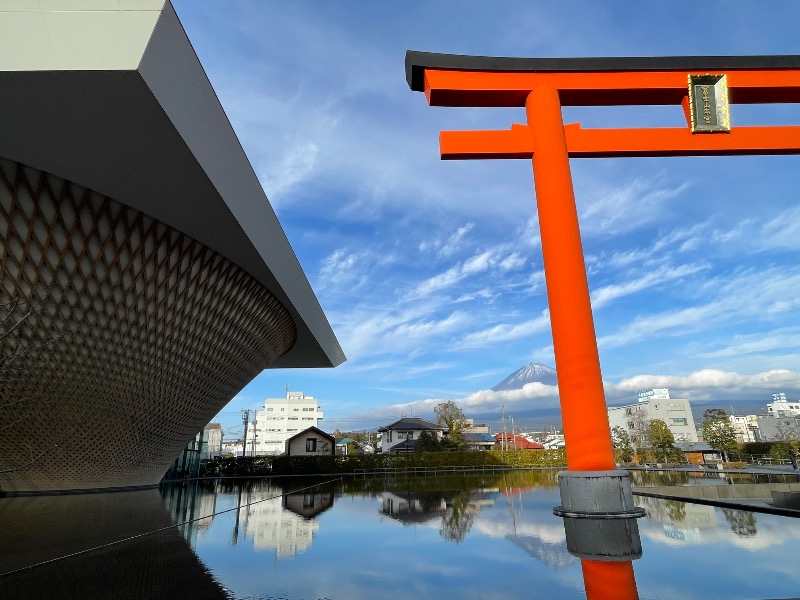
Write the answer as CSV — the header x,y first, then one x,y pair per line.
x,y
427,442
622,442
452,418
661,437
718,431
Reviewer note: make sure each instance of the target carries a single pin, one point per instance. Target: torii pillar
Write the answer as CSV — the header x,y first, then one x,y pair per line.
x,y
704,86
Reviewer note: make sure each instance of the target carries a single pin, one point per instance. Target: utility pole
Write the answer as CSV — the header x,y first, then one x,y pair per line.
x,y
255,432
504,445
246,421
513,433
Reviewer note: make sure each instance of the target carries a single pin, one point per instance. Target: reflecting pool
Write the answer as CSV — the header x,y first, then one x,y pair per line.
x,y
457,536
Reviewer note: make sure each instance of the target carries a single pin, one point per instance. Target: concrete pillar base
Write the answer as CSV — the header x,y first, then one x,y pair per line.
x,y
596,495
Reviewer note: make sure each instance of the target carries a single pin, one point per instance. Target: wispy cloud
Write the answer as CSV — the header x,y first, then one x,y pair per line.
x,y
504,332
613,210
743,345
606,294
729,304
291,170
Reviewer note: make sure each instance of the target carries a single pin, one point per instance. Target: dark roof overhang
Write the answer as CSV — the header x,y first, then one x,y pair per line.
x,y
417,62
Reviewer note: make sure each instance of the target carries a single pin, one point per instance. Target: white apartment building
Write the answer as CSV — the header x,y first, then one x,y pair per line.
x,y
280,419
781,407
745,427
655,404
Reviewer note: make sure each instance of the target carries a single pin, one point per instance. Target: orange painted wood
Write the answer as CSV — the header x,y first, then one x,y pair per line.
x,y
596,143
609,580
471,88
516,142
580,383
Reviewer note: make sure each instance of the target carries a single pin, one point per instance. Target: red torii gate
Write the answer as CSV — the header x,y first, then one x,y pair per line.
x,y
702,86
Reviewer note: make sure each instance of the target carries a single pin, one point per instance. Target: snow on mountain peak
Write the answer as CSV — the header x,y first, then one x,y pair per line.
x,y
532,372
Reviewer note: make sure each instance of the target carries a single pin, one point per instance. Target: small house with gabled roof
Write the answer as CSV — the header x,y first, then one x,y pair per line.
x,y
401,435
311,442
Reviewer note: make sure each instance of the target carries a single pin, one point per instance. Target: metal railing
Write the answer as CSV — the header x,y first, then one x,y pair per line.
x,y
418,470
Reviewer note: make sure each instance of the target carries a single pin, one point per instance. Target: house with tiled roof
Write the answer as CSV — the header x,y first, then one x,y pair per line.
x,y
507,441
479,441
401,435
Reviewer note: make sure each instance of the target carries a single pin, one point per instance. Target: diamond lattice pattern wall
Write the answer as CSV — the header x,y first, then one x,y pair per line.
x,y
120,337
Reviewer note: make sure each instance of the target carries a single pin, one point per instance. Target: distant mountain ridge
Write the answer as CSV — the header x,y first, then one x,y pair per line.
x,y
530,373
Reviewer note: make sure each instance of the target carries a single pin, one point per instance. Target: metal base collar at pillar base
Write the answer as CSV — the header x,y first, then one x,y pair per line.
x,y
596,495
603,540
634,513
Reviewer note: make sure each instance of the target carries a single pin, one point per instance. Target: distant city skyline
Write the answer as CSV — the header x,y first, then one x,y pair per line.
x,y
430,271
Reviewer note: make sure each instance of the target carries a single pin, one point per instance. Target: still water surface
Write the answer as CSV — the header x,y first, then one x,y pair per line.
x,y
480,536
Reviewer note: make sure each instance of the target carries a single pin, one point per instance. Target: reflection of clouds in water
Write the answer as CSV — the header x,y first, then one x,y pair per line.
x,y
548,533
546,542
553,555
770,531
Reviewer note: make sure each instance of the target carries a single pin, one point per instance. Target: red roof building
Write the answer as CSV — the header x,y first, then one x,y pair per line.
x,y
516,442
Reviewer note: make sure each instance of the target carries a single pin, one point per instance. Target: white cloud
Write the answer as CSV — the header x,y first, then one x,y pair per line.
x,y
758,343
368,332
782,232
733,303
708,382
615,210
454,243
546,396
476,264
292,169
342,267
654,278
505,332
513,261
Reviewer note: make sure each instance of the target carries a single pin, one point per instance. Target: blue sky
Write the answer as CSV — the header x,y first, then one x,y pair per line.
x,y
430,271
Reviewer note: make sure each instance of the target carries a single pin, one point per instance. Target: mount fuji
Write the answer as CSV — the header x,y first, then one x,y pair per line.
x,y
532,372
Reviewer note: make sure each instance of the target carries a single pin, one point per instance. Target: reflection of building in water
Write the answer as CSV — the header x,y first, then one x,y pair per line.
x,y
409,507
55,534
681,520
683,535
308,505
191,507
283,523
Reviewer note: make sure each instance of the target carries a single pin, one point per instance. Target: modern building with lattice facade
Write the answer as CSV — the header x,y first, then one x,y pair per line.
x,y
144,277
